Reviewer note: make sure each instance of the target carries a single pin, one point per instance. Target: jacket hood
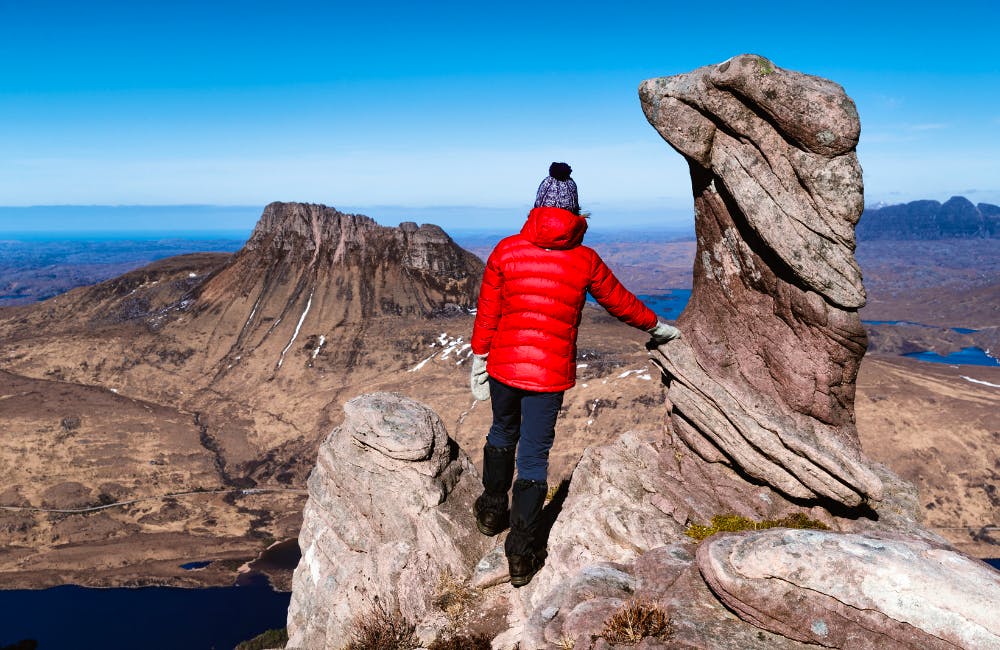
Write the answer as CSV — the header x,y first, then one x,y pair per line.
x,y
554,228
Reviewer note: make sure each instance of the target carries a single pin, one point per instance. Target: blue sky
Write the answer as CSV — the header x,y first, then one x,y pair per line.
x,y
461,105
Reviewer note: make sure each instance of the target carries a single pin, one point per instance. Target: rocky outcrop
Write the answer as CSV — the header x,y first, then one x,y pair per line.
x,y
763,379
761,424
620,533
620,536
855,591
388,512
354,268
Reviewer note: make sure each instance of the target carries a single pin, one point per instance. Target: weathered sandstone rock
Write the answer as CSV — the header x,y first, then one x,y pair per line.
x,y
761,403
388,512
764,376
855,591
619,535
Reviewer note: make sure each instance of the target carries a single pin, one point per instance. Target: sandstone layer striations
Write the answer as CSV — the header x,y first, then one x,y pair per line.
x,y
764,376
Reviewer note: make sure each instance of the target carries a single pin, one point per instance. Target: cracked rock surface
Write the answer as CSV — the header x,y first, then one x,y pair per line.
x,y
855,591
763,378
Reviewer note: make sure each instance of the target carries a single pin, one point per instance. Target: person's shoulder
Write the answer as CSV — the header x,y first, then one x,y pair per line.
x,y
587,252
510,243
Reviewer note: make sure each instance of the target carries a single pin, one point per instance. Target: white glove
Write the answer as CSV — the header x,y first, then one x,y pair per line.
x,y
480,387
663,333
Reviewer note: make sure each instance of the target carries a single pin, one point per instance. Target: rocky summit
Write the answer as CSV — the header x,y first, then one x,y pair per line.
x,y
822,546
387,509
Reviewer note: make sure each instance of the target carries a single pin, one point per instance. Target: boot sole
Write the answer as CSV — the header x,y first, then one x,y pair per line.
x,y
520,581
489,532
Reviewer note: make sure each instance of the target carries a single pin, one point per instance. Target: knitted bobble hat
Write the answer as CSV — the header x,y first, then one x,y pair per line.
x,y
558,190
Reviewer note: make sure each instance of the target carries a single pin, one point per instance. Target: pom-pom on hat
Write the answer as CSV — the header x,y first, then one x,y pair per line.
x,y
558,190
560,171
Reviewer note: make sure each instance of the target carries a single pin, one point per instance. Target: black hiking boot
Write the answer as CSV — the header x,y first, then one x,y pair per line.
x,y
491,512
524,559
522,568
490,508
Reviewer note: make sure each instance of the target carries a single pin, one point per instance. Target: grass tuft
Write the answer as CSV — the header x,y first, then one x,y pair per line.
x,y
461,642
635,620
565,643
732,523
380,629
452,596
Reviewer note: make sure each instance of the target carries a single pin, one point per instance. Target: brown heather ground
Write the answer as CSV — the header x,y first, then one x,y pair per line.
x,y
172,434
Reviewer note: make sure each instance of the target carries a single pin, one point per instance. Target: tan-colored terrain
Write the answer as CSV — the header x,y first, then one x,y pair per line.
x,y
938,429
190,397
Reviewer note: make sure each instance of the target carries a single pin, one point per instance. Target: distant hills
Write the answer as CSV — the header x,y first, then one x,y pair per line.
x,y
956,218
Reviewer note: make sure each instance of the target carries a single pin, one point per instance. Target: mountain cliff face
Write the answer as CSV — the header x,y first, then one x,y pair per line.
x,y
956,218
311,273
759,422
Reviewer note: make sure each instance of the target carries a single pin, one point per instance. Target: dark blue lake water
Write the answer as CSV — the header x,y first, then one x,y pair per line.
x,y
668,306
995,563
152,618
964,357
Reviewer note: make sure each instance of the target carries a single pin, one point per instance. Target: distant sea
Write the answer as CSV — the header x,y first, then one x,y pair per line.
x,y
35,266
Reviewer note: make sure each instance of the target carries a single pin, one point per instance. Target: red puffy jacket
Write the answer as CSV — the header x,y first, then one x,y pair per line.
x,y
533,292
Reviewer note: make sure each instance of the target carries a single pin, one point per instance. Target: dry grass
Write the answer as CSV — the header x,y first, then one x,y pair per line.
x,y
380,629
736,523
461,642
452,596
635,620
565,643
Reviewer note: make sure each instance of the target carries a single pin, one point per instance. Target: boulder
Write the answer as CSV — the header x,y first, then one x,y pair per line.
x,y
620,536
389,512
763,378
855,591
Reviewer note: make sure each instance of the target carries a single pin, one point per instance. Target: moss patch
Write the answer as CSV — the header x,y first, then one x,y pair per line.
x,y
764,67
731,523
269,639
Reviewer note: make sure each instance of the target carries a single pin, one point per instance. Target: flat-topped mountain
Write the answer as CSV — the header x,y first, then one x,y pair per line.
x,y
956,218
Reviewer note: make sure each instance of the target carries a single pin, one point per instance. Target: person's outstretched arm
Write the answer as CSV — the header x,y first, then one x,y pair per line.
x,y
621,303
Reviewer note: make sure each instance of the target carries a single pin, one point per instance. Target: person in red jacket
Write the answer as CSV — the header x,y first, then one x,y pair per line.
x,y
524,341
